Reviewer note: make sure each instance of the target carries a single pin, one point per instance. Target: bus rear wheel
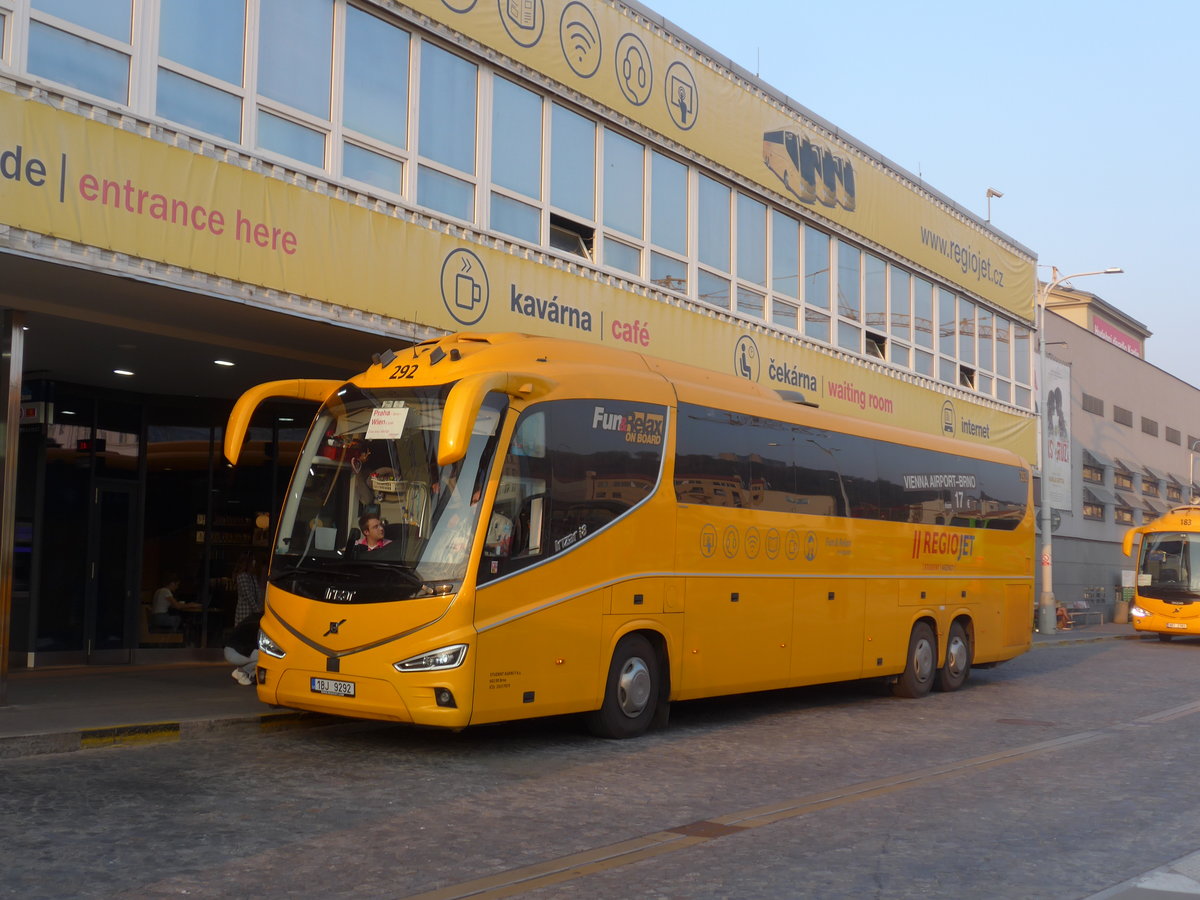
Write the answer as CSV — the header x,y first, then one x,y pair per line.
x,y
921,665
631,691
954,671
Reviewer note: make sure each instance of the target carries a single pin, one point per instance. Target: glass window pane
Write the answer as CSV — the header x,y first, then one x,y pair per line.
x,y
1003,350
206,35
623,183
518,219
966,330
898,354
816,271
622,256
947,370
752,240
200,106
668,203
291,139
81,64
573,163
714,225
947,324
849,337
816,325
1003,391
876,290
109,17
375,91
1021,354
785,255
372,168
751,303
983,384
985,340
900,316
295,43
713,289
439,191
923,363
516,138
447,111
922,312
849,267
668,272
785,315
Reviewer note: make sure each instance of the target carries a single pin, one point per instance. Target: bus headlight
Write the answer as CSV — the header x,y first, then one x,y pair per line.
x,y
269,647
435,660
1138,612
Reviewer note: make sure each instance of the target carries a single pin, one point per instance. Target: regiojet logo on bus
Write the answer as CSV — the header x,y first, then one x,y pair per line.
x,y
941,543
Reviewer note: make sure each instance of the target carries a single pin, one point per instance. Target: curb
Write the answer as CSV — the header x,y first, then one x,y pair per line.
x,y
1094,639
16,746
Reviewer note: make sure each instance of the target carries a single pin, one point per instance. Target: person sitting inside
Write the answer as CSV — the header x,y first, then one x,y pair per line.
x,y
372,532
166,609
241,649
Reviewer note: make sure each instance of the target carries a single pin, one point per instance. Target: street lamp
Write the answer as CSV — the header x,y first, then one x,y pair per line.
x,y
1046,604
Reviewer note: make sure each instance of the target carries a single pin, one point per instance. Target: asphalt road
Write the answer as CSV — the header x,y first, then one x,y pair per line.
x,y
1054,776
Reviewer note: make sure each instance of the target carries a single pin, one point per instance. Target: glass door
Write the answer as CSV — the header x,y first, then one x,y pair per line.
x,y
114,551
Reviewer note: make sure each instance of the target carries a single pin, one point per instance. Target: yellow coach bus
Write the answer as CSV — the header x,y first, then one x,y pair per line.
x,y
1166,598
491,527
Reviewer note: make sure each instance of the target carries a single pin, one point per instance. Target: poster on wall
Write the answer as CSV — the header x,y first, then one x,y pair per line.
x,y
1056,435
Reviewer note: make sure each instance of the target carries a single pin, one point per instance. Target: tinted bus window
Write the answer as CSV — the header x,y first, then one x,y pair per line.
x,y
573,467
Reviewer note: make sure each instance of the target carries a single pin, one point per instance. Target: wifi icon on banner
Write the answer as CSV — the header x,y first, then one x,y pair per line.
x,y
579,36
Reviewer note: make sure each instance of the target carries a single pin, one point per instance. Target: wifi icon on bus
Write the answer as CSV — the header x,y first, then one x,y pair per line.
x,y
579,37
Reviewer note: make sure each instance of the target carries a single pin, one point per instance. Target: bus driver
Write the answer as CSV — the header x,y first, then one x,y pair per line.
x,y
372,533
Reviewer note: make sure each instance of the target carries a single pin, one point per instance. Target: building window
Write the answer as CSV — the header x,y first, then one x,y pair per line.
x,y
1175,493
1122,515
1122,416
1150,486
1094,511
1123,480
1093,474
1150,427
90,52
1093,404
1173,436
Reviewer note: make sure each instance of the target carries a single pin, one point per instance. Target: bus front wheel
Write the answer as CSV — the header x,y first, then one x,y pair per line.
x,y
921,665
631,691
954,671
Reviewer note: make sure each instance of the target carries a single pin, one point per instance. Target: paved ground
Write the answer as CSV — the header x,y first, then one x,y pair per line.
x,y
66,709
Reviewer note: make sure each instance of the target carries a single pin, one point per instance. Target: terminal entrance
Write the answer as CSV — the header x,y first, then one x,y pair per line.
x,y
121,481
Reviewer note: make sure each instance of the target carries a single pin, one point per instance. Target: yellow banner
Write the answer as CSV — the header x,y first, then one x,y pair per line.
x,y
70,177
617,60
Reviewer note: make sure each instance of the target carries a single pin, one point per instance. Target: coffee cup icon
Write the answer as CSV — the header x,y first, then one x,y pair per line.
x,y
468,293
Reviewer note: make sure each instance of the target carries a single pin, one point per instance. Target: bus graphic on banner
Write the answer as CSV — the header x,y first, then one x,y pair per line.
x,y
810,171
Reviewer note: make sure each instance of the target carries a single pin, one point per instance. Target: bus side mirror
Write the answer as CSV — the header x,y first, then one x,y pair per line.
x,y
294,388
1127,541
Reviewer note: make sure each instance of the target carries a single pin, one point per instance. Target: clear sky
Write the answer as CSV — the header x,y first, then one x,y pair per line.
x,y
1086,115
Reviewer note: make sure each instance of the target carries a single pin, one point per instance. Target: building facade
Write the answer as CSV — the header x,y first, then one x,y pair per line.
x,y
1133,429
200,195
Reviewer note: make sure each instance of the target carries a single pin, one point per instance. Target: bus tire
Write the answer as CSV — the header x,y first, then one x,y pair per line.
x,y
630,692
954,671
920,666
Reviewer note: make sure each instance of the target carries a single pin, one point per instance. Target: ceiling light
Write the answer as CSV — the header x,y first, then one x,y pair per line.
x,y
222,362
122,372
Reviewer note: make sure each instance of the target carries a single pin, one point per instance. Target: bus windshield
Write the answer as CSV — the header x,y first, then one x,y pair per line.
x,y
1169,568
370,515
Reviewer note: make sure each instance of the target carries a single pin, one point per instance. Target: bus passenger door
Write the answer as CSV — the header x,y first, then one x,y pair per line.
x,y
827,643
